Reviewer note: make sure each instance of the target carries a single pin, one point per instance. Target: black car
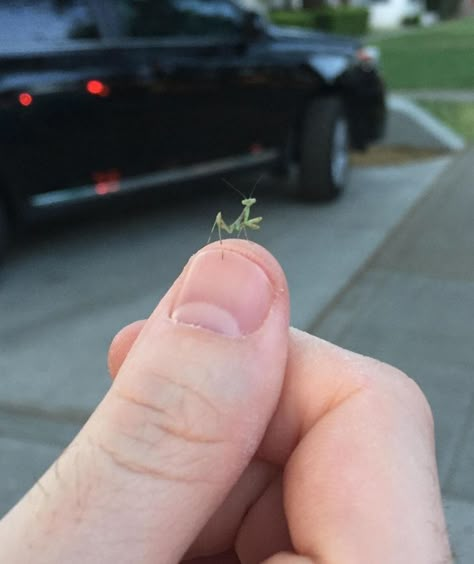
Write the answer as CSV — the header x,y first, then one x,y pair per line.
x,y
105,97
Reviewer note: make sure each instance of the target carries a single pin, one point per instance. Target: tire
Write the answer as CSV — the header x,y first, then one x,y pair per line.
x,y
324,150
284,166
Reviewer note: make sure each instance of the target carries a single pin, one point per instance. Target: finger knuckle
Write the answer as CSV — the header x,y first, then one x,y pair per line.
x,y
166,435
396,385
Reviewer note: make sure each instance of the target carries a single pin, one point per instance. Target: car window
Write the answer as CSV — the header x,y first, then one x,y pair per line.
x,y
31,23
164,18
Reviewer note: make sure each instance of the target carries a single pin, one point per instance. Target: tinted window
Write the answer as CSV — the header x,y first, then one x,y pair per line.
x,y
25,23
158,18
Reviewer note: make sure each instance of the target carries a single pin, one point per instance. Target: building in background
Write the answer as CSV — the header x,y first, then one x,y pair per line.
x,y
393,13
383,14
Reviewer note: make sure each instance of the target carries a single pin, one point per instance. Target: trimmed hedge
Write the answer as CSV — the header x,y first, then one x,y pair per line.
x,y
412,21
346,20
297,18
446,9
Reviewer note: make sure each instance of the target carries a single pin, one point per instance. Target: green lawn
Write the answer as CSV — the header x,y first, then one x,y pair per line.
x,y
458,115
441,56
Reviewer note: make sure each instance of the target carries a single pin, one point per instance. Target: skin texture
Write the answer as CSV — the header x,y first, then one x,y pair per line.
x,y
224,441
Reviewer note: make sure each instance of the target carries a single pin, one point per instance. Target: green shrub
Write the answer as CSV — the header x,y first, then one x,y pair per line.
x,y
346,20
412,21
297,18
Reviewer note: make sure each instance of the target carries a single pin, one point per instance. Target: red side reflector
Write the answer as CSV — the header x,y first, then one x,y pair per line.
x,y
106,182
25,99
97,87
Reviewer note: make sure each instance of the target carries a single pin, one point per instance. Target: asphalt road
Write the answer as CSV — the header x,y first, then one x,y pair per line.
x,y
69,287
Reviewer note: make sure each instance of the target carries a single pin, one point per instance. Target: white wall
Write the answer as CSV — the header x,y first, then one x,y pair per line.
x,y
391,13
256,5
265,5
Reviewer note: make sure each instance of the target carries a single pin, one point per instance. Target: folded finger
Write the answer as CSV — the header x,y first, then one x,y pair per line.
x,y
360,482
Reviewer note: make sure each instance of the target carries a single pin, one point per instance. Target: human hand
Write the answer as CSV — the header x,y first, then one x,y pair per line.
x,y
225,438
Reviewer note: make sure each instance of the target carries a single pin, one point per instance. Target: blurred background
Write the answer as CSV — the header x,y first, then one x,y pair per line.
x,y
353,121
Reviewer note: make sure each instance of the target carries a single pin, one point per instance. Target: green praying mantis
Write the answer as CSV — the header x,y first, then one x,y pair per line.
x,y
243,221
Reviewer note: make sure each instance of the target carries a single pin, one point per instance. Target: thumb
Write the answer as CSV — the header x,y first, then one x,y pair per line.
x,y
180,423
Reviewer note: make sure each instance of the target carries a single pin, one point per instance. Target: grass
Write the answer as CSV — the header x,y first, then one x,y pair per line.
x,y
440,56
382,155
458,115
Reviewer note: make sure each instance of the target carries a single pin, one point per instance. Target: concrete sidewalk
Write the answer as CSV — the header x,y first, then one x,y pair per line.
x,y
438,95
413,306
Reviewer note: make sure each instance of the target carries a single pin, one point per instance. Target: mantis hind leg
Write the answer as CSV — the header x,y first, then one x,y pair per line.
x,y
220,239
212,231
220,224
217,223
219,231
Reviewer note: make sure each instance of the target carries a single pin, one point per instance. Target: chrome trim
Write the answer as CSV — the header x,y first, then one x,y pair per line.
x,y
137,183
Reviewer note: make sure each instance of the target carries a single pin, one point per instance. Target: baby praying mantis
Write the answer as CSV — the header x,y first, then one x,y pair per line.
x,y
243,221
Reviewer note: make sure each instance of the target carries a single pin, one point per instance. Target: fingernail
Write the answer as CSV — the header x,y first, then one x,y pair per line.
x,y
227,294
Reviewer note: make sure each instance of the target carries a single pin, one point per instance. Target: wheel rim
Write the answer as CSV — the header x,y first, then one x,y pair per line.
x,y
339,153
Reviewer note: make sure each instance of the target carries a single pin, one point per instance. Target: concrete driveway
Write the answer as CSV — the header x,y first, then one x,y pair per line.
x,y
64,294
412,307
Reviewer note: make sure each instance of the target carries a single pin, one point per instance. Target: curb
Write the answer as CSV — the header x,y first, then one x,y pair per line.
x,y
410,125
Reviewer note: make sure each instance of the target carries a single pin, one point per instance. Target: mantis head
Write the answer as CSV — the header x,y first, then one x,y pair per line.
x,y
247,202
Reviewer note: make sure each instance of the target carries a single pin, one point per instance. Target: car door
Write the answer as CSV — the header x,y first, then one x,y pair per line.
x,y
265,87
255,90
183,58
55,94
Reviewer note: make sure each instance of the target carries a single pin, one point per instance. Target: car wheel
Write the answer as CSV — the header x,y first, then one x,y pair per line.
x,y
324,151
284,165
